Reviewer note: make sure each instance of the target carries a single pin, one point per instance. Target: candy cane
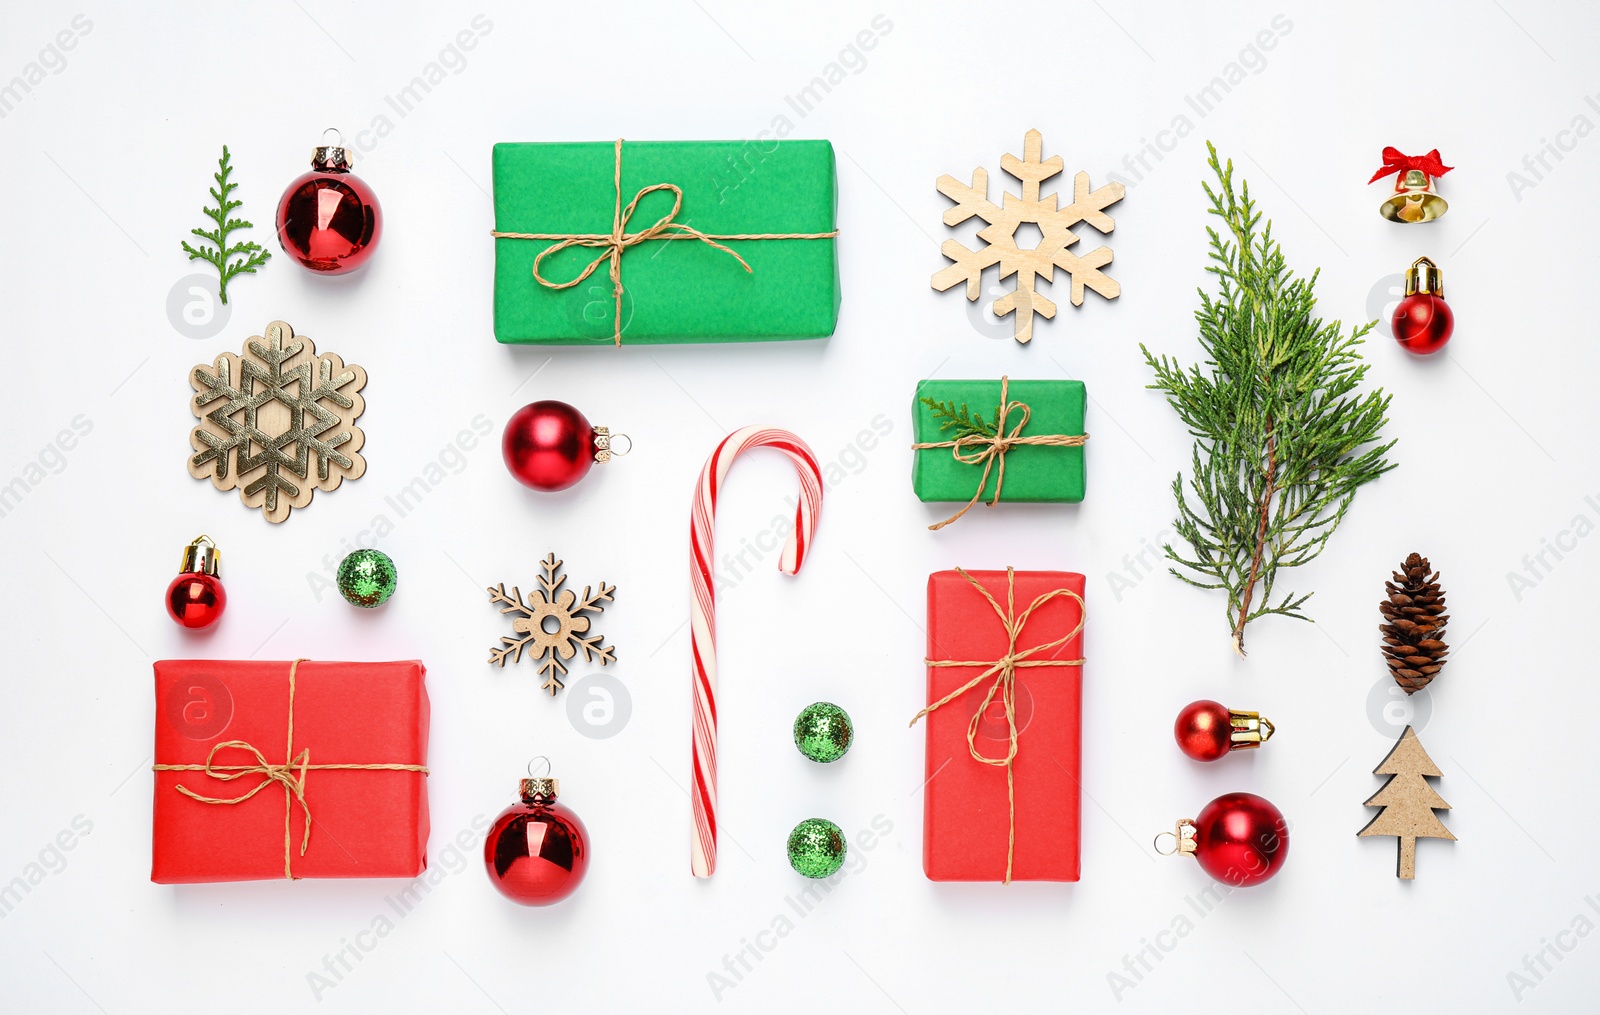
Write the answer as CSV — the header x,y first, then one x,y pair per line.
x,y
703,608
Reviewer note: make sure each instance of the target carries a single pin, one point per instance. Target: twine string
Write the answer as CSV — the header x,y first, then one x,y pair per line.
x,y
1002,677
989,451
291,776
612,245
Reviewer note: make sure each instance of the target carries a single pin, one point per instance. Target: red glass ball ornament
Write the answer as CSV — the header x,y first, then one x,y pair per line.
x,y
196,601
1422,323
1241,839
1204,730
1207,730
196,598
329,219
548,445
537,851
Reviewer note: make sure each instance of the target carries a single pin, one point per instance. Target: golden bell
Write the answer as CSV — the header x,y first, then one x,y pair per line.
x,y
1415,199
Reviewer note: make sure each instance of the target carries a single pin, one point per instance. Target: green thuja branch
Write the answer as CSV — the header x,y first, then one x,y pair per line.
x,y
250,255
1283,438
965,422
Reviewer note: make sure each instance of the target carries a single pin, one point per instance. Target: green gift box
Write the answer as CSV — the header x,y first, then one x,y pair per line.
x,y
959,447
680,278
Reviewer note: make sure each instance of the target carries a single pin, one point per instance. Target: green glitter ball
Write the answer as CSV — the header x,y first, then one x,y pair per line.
x,y
816,847
367,578
822,731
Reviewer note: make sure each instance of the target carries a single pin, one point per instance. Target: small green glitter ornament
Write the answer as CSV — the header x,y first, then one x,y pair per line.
x,y
367,578
822,731
816,847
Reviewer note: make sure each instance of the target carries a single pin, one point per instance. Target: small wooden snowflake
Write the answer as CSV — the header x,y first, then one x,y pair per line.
x,y
553,624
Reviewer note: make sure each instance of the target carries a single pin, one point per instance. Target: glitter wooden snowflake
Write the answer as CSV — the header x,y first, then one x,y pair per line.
x,y
277,421
552,624
1054,225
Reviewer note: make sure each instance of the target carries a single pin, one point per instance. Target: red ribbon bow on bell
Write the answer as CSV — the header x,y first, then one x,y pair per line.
x,y
1396,161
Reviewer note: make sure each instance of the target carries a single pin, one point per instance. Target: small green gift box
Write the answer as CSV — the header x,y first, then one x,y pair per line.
x,y
999,440
664,241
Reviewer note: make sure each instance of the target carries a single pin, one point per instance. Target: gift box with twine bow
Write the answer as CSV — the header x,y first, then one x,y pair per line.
x,y
291,770
998,440
1004,721
650,242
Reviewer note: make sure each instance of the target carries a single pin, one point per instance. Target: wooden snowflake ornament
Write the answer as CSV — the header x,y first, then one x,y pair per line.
x,y
277,421
1002,248
552,623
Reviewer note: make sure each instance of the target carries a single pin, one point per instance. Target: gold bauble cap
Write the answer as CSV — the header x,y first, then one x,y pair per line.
x,y
540,788
1424,277
201,556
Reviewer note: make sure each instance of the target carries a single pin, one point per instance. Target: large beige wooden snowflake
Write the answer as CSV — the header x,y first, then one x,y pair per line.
x,y
1054,225
280,423
552,623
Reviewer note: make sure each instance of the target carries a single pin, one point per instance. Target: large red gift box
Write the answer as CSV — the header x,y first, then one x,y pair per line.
x,y
968,815
334,749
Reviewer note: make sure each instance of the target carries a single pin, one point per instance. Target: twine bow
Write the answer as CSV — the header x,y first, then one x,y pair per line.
x,y
988,450
1002,677
612,245
1396,161
291,776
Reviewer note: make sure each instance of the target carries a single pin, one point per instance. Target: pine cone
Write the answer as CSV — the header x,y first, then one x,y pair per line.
x,y
1413,627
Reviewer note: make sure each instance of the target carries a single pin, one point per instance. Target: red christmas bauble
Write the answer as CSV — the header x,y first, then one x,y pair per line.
x,y
1422,323
329,219
1204,730
537,851
548,445
1241,839
196,601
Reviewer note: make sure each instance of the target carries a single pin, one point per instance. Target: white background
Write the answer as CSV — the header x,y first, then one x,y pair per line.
x,y
104,167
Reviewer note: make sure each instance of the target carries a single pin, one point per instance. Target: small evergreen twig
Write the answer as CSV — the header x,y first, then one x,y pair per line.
x,y
1282,437
965,422
251,255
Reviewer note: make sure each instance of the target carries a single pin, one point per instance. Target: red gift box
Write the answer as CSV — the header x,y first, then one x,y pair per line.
x,y
988,630
279,769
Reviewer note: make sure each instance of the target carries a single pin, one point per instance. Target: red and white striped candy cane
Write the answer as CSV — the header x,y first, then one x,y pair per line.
x,y
703,608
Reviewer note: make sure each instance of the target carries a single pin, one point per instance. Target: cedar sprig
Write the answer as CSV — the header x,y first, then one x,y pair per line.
x,y
249,253
965,422
1283,438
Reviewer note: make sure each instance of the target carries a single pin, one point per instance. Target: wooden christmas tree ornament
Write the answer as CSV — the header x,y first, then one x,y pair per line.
x,y
277,421
1408,801
1001,244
